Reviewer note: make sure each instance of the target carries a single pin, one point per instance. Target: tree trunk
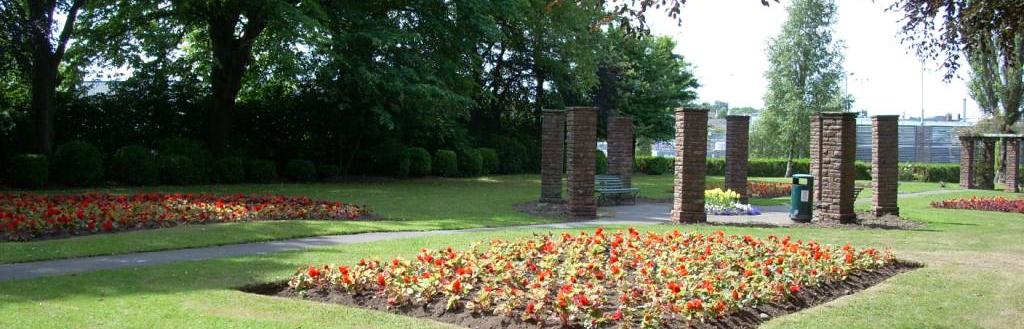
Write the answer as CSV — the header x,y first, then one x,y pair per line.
x,y
44,87
231,57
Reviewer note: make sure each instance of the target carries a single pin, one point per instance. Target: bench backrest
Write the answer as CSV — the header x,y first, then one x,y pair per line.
x,y
608,181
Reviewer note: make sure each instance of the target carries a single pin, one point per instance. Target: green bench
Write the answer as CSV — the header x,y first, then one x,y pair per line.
x,y
611,189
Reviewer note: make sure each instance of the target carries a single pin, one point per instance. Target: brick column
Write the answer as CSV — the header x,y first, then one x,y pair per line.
x,y
691,166
815,166
885,164
551,156
737,132
837,151
987,172
1012,164
966,162
581,125
620,148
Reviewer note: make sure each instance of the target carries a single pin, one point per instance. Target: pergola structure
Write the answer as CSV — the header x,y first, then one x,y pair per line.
x,y
977,171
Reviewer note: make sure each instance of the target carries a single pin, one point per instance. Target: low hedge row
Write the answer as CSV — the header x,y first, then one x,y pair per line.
x,y
758,167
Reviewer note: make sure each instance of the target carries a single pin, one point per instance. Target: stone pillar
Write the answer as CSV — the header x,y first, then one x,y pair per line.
x,y
581,125
620,148
737,131
551,156
691,166
987,172
885,164
837,151
815,166
966,162
1012,164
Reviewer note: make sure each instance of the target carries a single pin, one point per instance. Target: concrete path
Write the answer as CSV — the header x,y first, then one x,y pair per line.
x,y
641,214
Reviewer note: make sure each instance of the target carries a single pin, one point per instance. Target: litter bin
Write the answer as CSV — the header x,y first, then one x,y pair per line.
x,y
800,198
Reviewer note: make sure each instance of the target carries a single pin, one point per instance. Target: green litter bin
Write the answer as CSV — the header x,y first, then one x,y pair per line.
x,y
800,198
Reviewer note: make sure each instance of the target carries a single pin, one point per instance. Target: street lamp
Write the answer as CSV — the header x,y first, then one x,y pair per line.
x,y
846,90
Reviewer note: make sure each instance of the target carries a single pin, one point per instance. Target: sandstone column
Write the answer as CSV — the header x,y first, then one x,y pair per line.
x,y
966,162
1012,164
737,132
987,165
620,148
815,165
551,156
837,151
885,164
691,166
581,124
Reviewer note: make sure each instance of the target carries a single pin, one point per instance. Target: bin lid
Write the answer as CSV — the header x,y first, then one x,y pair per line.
x,y
802,176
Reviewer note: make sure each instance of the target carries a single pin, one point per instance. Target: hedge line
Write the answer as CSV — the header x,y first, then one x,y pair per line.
x,y
766,167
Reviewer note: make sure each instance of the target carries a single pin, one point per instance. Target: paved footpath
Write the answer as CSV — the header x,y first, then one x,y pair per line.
x,y
641,214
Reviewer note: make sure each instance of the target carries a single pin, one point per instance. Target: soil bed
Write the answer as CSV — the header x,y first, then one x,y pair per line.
x,y
749,317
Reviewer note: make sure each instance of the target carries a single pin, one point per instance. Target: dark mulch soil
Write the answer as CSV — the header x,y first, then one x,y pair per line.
x,y
749,317
866,220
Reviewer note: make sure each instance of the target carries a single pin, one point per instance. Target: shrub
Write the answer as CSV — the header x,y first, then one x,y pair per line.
x,y
229,170
261,171
177,170
490,160
419,161
327,172
716,167
470,163
29,171
445,163
512,154
653,165
602,162
134,165
391,159
771,167
78,163
863,170
299,170
192,149
930,172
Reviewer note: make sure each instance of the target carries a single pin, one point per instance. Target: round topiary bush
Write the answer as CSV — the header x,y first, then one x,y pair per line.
x,y
513,155
134,165
327,172
470,163
419,161
299,170
446,163
78,163
177,170
229,170
490,160
602,162
29,171
201,158
261,171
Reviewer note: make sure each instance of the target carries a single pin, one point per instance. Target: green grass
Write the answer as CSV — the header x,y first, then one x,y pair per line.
x,y
972,279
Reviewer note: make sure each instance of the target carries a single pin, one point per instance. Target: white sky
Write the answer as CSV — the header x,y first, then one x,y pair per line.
x,y
726,43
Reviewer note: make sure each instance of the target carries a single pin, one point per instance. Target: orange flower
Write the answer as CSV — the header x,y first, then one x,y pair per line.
x,y
694,304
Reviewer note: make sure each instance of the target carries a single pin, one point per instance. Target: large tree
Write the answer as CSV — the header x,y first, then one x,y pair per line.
x,y
805,67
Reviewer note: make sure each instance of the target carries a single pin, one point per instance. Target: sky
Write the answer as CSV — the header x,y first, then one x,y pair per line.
x,y
726,42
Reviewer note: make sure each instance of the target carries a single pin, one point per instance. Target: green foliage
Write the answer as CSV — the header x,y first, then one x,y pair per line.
x,y
28,171
261,171
652,165
446,163
930,172
471,163
327,172
200,158
78,163
229,170
513,156
601,162
300,170
419,161
177,170
716,167
489,160
774,167
862,170
804,71
134,165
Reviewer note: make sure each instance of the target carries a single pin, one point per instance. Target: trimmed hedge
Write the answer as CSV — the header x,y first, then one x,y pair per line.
x,y
300,170
930,172
29,171
419,161
177,170
471,164
261,171
229,170
446,163
201,159
327,172
652,165
766,167
134,165
513,155
78,163
490,160
602,162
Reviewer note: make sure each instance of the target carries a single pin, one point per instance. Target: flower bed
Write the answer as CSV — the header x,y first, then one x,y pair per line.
x,y
762,190
32,216
983,203
727,202
593,279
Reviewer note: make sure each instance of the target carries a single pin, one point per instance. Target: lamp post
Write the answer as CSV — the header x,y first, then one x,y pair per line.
x,y
846,91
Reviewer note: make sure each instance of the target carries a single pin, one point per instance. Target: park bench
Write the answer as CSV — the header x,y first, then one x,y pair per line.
x,y
611,189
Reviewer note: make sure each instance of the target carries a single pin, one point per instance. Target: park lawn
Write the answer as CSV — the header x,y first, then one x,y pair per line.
x,y
974,265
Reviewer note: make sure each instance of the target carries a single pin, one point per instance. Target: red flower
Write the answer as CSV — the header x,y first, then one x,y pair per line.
x,y
530,308
674,287
616,316
719,307
380,280
457,286
313,272
108,225
694,304
793,288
